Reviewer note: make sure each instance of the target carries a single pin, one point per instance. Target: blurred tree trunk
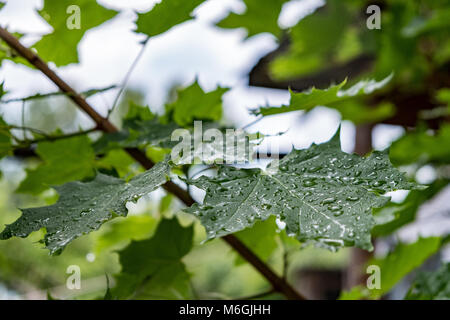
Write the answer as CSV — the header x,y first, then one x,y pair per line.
x,y
355,273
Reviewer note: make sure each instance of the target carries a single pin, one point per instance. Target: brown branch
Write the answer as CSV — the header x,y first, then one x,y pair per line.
x,y
105,125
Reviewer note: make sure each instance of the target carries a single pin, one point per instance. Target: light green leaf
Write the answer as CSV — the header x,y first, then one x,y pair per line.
x,y
314,41
261,239
165,15
259,16
395,266
84,206
119,163
63,161
431,285
60,46
423,146
404,259
120,231
152,268
333,97
322,194
395,215
193,103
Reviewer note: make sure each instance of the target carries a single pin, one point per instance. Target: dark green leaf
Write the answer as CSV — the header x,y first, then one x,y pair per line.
x,y
431,285
153,269
321,193
84,206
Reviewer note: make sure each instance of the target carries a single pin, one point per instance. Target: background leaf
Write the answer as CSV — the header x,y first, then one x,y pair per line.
x,y
193,103
63,161
431,285
165,15
54,12
152,268
252,19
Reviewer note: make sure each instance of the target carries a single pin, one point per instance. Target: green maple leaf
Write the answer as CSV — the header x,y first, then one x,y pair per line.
x,y
63,161
152,268
395,215
333,97
194,104
395,266
431,285
259,16
321,193
165,15
401,261
314,42
84,206
60,46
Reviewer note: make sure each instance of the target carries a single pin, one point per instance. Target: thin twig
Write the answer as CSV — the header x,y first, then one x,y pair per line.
x,y
252,123
127,77
25,128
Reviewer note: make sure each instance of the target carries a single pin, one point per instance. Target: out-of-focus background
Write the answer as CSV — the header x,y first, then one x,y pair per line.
x,y
196,49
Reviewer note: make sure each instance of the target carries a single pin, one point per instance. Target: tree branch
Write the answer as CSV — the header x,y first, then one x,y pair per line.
x,y
105,125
